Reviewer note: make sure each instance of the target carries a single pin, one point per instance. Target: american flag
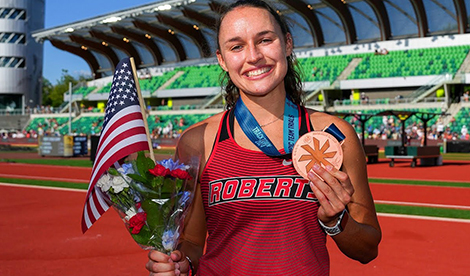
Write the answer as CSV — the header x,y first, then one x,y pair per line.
x,y
123,133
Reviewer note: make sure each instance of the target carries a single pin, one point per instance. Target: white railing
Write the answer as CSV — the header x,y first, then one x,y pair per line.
x,y
386,101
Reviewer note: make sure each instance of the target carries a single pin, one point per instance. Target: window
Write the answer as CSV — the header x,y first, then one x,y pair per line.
x,y
12,62
365,20
12,13
331,25
467,6
441,15
402,18
13,38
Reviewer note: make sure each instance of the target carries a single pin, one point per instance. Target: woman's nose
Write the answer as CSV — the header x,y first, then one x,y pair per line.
x,y
254,54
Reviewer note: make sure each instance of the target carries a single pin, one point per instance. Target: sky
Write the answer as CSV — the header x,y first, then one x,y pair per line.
x,y
60,12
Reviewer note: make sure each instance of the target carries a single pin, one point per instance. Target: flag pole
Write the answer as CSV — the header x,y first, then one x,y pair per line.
x,y
142,108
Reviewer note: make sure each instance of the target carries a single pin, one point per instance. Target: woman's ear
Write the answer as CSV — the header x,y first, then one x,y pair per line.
x,y
221,61
289,44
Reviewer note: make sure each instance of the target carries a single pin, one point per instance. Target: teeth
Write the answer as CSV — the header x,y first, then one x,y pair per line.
x,y
258,72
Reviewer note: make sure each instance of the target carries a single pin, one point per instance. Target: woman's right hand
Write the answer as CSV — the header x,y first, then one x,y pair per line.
x,y
161,264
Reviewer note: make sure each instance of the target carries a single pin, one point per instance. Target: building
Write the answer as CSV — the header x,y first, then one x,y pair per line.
x,y
21,57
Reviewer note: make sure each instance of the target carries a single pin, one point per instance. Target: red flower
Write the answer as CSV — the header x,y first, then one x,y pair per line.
x,y
159,170
137,222
178,173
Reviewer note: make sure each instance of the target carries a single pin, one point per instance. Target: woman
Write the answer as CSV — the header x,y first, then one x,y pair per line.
x,y
261,217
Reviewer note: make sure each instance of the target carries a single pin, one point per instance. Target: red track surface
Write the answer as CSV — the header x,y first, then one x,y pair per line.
x,y
45,172
40,229
450,171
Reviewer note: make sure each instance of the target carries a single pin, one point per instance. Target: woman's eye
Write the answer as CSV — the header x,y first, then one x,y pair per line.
x,y
266,40
235,48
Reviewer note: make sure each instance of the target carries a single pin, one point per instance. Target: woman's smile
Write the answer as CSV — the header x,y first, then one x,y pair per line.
x,y
258,72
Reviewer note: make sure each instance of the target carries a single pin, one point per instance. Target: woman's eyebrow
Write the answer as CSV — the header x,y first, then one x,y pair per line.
x,y
238,38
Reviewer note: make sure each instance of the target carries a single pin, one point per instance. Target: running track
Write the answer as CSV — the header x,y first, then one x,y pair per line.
x,y
40,229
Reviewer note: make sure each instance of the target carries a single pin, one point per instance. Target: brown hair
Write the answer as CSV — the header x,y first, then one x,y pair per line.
x,y
292,80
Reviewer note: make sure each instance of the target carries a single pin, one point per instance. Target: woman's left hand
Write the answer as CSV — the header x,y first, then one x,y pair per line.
x,y
333,191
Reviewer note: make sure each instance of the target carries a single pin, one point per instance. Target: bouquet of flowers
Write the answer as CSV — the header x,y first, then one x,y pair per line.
x,y
152,198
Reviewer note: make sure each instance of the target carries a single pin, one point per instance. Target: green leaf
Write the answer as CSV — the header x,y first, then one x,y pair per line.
x,y
179,184
143,237
113,171
141,163
168,186
154,213
144,164
138,178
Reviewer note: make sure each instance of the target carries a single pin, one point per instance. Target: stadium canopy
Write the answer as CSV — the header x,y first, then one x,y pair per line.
x,y
174,31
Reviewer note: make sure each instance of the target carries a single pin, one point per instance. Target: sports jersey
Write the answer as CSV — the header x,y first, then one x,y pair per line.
x,y
261,215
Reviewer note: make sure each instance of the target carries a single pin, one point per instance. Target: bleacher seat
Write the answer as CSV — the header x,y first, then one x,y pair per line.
x,y
197,77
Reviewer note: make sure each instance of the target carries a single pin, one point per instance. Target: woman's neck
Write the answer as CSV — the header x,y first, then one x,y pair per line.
x,y
265,107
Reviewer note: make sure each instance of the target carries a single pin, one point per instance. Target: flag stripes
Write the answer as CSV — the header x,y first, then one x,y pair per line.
x,y
123,133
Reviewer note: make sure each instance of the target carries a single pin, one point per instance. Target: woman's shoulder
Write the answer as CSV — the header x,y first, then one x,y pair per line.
x,y
202,133
204,126
321,120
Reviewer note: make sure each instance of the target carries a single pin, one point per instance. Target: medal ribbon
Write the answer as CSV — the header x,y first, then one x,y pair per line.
x,y
334,130
255,133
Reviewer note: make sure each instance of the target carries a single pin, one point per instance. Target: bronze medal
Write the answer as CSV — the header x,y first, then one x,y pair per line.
x,y
316,147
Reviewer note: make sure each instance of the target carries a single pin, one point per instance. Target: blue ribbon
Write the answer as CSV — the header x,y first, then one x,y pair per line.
x,y
257,136
334,130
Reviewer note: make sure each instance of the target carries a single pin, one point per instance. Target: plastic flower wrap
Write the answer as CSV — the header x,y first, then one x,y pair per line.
x,y
152,199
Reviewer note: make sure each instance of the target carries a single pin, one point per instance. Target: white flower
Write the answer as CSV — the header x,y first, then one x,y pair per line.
x,y
130,213
123,171
104,183
119,184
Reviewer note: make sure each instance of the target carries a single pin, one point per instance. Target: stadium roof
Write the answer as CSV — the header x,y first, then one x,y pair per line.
x,y
167,32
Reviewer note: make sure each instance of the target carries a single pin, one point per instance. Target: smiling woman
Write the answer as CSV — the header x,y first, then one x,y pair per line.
x,y
259,215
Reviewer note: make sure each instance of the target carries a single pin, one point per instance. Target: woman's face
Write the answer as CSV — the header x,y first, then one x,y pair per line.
x,y
253,50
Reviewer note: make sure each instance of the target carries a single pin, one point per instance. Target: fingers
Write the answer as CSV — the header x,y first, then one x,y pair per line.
x,y
160,264
181,263
332,188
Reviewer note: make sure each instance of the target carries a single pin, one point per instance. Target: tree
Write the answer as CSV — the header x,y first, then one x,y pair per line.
x,y
46,91
53,95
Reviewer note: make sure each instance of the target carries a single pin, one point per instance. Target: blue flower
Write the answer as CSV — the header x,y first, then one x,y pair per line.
x,y
184,198
169,239
172,165
127,168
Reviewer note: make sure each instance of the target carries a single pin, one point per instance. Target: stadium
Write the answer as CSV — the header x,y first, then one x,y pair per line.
x,y
397,70
357,57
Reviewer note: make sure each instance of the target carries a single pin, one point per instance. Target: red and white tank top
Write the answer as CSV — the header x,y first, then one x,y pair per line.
x,y
261,215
